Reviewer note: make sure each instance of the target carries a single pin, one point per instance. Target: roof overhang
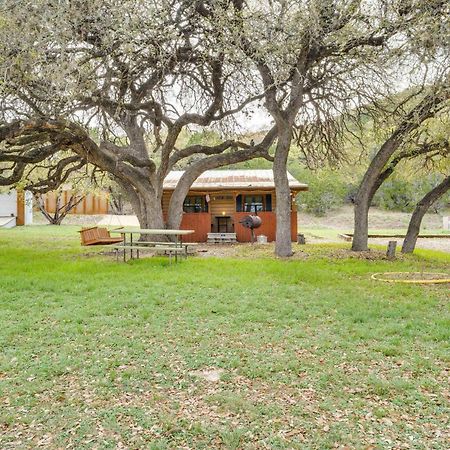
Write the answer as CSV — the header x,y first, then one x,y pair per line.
x,y
232,180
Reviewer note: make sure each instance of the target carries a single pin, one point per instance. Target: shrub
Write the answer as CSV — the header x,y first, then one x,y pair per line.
x,y
398,194
326,191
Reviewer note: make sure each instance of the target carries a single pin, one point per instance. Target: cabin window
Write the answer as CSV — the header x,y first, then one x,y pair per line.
x,y
239,203
253,203
268,202
195,204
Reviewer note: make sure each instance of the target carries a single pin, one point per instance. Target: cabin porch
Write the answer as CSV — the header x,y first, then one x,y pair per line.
x,y
220,212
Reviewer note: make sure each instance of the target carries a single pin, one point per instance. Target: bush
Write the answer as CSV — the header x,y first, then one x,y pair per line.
x,y
330,189
397,194
326,191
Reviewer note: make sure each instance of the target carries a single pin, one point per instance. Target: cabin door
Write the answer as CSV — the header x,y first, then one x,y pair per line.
x,y
224,224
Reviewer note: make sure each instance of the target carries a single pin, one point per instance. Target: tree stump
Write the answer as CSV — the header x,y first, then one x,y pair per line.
x,y
392,245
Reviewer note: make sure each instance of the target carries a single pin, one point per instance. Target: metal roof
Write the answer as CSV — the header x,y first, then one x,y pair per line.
x,y
232,179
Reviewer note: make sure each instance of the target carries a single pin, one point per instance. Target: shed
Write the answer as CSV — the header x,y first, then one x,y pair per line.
x,y
219,199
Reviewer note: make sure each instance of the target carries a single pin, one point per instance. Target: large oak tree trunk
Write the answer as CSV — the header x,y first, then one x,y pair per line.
x,y
150,211
146,204
422,207
283,244
151,215
175,213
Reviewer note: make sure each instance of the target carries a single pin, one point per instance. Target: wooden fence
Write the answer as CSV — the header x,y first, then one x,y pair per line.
x,y
91,204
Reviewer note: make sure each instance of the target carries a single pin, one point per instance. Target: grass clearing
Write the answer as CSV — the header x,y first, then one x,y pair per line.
x,y
99,354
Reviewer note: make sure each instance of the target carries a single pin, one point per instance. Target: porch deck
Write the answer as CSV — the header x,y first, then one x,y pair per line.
x,y
222,238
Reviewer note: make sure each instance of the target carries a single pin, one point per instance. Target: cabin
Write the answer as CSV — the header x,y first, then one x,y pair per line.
x,y
219,199
16,208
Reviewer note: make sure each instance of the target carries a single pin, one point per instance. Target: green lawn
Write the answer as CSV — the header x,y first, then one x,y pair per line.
x,y
99,354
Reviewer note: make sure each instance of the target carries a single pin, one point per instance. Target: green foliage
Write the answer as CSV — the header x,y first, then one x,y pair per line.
x,y
257,163
400,194
205,137
396,194
327,190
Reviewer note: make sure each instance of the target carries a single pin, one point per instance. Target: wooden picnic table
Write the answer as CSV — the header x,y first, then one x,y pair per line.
x,y
171,247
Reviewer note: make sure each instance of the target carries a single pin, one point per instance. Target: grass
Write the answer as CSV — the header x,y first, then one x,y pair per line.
x,y
99,354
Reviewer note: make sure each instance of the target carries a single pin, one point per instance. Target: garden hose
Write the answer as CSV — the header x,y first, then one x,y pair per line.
x,y
376,276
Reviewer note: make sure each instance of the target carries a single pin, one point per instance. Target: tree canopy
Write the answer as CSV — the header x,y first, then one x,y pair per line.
x,y
138,72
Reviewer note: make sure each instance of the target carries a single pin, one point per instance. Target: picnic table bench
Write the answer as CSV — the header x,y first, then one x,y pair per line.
x,y
171,248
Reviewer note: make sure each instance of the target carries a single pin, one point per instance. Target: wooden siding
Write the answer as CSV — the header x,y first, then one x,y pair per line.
x,y
294,225
200,222
222,204
165,201
268,227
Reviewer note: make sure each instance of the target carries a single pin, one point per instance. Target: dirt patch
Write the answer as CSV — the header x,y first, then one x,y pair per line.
x,y
342,219
244,250
441,244
301,252
212,375
71,219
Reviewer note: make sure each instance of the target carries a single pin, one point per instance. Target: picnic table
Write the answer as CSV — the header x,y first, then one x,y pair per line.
x,y
172,248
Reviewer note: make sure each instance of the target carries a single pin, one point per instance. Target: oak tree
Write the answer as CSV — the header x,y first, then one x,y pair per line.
x,y
317,62
113,85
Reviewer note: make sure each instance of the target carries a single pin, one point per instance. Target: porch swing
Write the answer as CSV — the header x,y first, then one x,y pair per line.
x,y
96,235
